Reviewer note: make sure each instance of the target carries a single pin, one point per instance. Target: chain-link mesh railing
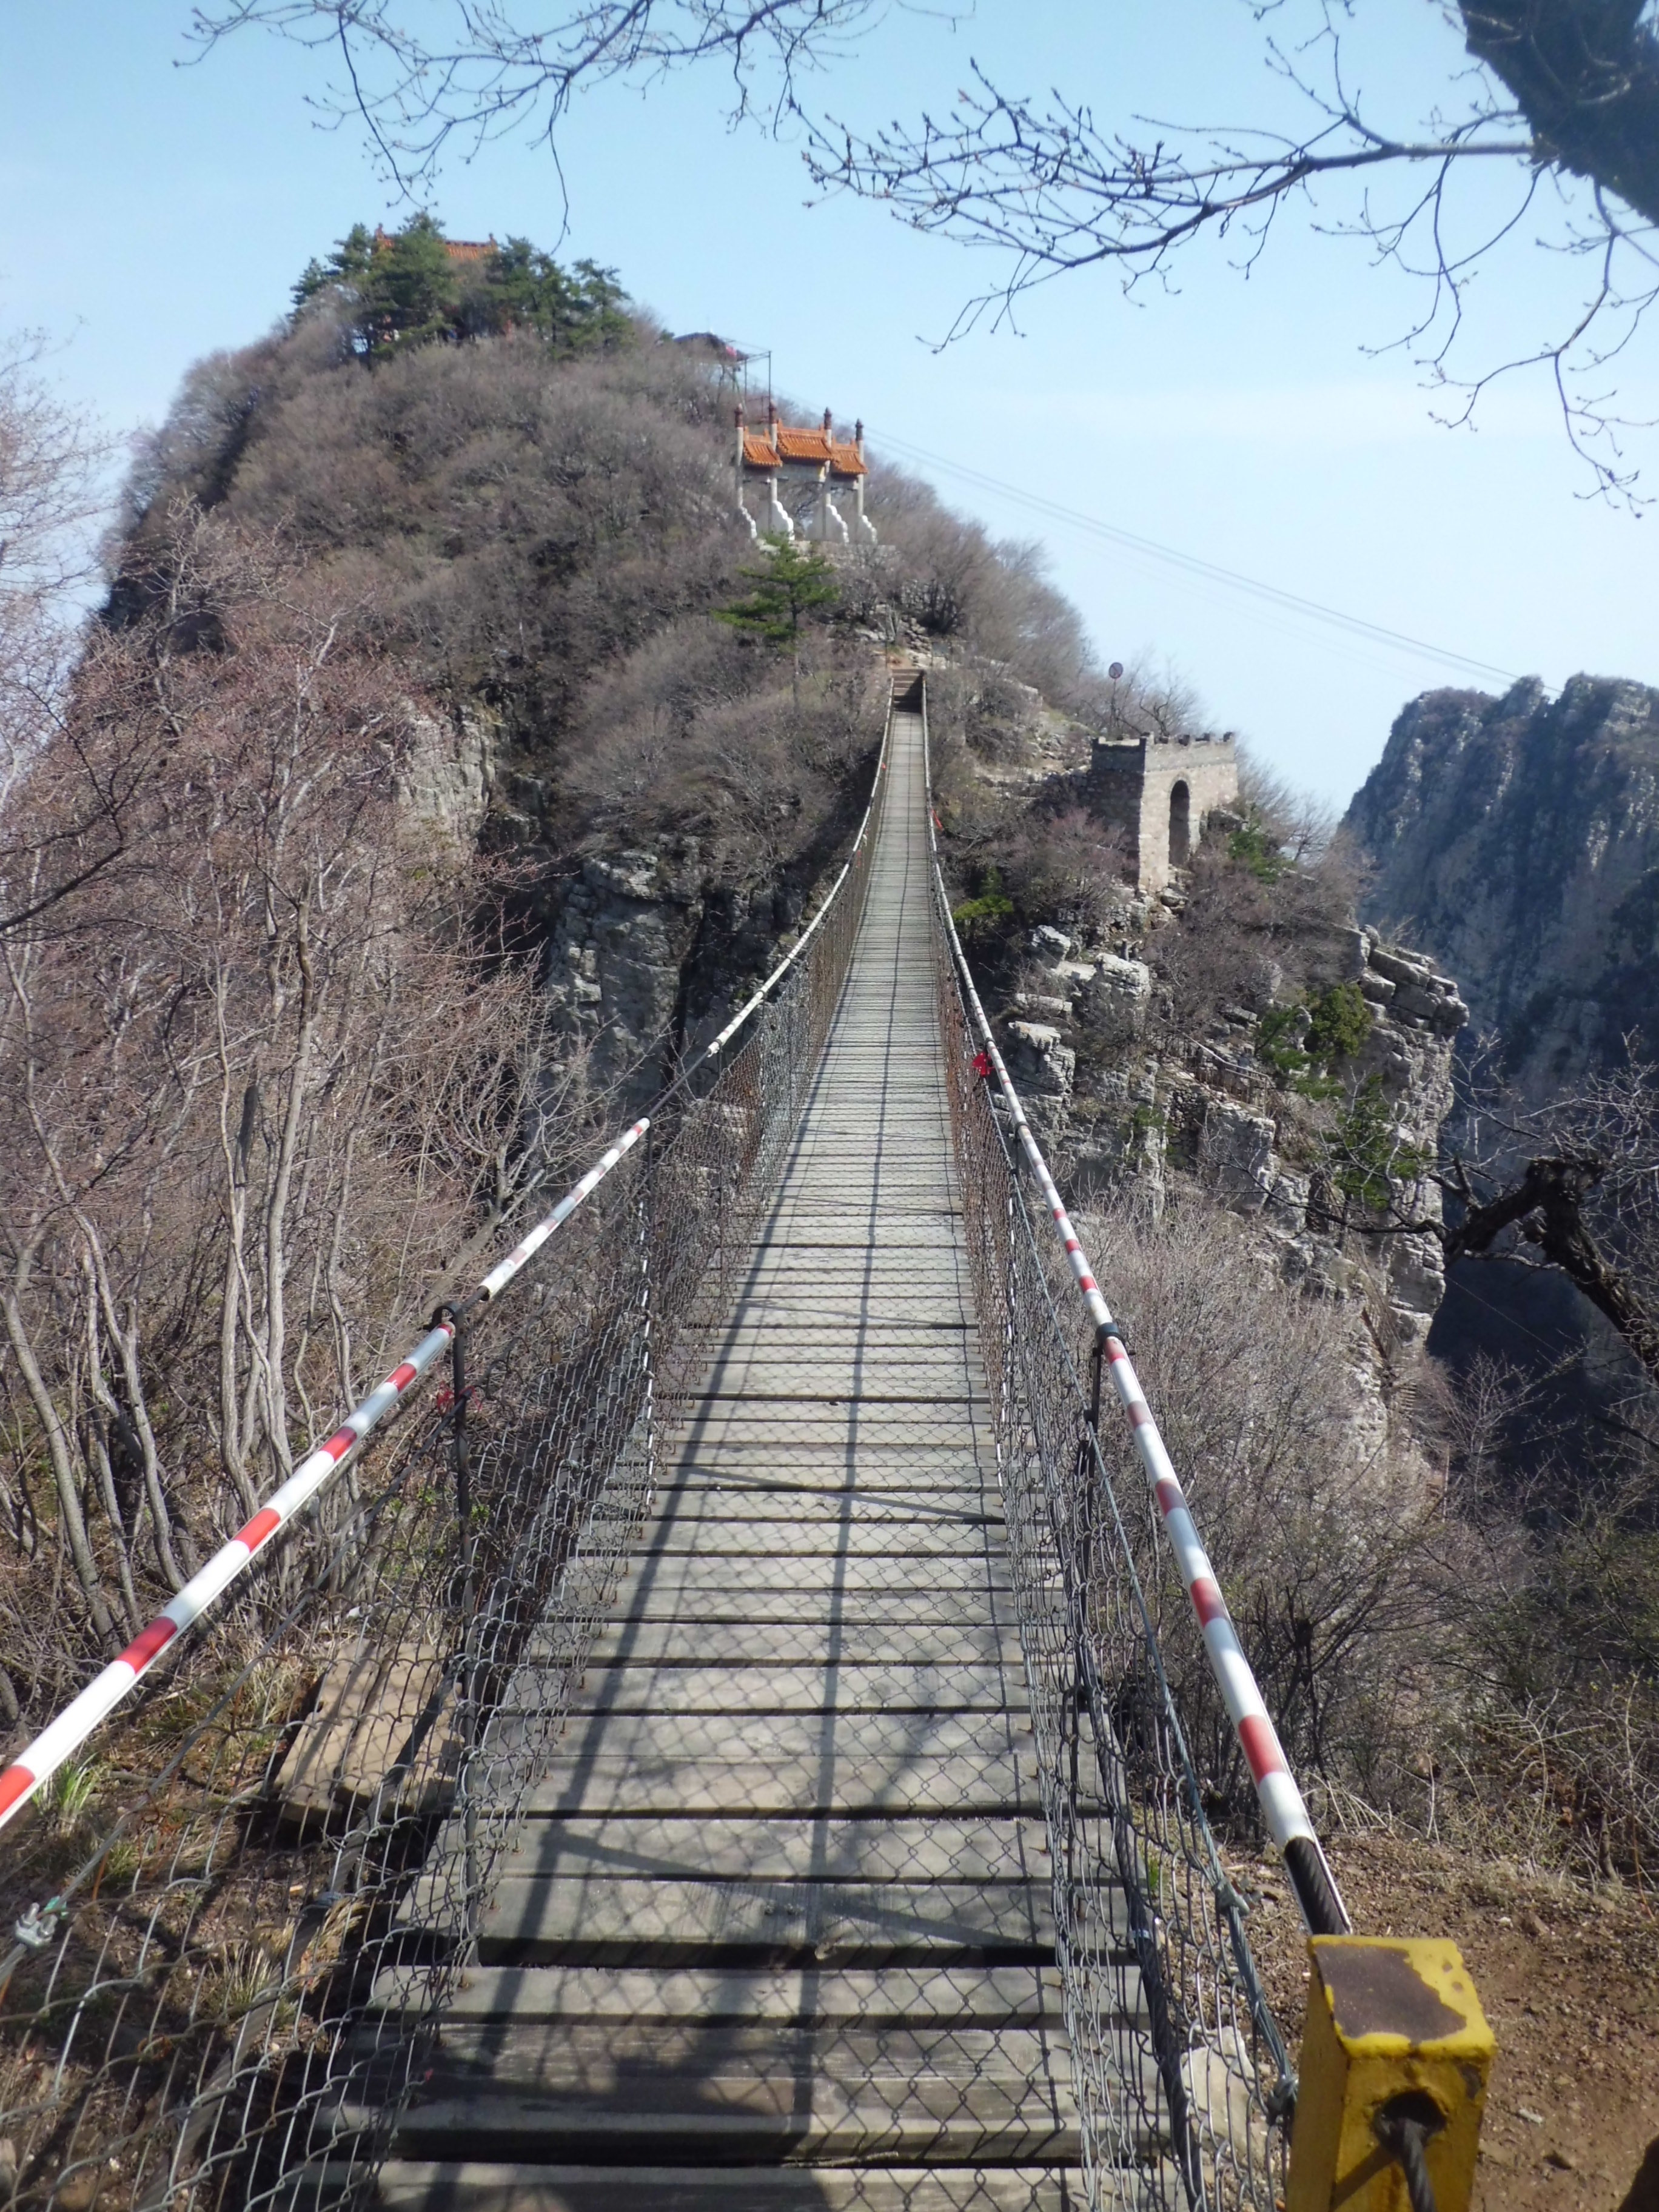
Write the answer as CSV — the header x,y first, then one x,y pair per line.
x,y
224,1998
1181,2078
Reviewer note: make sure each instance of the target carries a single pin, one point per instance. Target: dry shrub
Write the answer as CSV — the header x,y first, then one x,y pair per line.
x,y
517,520
1555,1753
1440,1643
1329,1543
1066,867
701,735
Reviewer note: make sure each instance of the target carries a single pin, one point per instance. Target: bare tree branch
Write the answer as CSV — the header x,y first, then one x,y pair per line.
x,y
415,95
1560,91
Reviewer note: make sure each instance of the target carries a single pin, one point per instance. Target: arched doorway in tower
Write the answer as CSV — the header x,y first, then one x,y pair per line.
x,y
1181,826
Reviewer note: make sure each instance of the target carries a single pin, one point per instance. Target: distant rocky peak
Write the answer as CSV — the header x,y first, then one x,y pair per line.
x,y
1516,841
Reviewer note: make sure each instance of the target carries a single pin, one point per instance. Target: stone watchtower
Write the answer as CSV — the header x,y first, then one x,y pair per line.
x,y
1159,791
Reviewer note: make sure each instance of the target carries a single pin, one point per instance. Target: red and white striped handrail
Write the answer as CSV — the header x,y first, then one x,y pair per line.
x,y
64,1736
1284,1811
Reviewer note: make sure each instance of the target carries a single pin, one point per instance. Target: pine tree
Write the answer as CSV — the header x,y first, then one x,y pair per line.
x,y
348,265
793,582
412,292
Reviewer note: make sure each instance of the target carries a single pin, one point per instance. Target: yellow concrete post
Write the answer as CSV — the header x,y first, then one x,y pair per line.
x,y
1392,2027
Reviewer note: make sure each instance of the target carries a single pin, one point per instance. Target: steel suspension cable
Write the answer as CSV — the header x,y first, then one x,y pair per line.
x,y
1284,1810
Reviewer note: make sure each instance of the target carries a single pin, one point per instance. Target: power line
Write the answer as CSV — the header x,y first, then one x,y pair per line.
x,y
1209,571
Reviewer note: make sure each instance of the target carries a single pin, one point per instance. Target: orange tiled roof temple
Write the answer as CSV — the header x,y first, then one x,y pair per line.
x,y
780,453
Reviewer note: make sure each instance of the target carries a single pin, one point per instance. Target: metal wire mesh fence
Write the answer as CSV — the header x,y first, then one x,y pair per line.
x,y
224,1997
1181,2078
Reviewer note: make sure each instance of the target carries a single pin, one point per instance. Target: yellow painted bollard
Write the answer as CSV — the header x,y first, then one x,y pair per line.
x,y
1394,2033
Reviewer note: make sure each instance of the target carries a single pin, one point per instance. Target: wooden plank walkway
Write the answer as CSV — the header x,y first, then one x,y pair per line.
x,y
777,1932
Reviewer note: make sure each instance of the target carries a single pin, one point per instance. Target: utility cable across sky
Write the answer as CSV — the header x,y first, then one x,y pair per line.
x,y
1208,571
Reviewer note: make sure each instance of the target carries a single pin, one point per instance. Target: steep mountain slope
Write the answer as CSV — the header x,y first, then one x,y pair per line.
x,y
1516,840
414,811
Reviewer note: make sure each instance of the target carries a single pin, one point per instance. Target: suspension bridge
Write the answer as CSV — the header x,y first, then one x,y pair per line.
x,y
696,1736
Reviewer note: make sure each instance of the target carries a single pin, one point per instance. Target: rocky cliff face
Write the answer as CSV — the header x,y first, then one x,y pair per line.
x,y
1118,1096
650,954
1517,840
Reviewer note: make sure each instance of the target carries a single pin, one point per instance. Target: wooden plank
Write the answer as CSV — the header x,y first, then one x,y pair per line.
x,y
846,1369
852,1608
382,1728
750,1505
834,2132
755,2063
804,1644
896,1458
886,1739
848,1687
827,1574
955,2093
846,1317
825,1537
974,1492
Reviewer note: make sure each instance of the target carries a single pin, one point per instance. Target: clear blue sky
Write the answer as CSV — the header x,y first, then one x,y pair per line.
x,y
155,212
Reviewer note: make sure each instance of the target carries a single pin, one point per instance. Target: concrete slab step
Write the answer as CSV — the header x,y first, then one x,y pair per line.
x,y
610,1921
890,1996
695,1847
410,2186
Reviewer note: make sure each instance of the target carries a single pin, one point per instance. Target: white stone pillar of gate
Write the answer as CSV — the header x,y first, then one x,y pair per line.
x,y
828,528
864,530
739,463
779,522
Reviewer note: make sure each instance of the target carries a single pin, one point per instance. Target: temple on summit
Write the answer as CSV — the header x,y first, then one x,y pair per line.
x,y
791,482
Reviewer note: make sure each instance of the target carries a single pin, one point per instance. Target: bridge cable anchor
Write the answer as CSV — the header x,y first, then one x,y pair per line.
x,y
1395,2058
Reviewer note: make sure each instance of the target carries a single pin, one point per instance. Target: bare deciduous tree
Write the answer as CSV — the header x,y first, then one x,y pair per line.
x,y
1574,1185
262,1096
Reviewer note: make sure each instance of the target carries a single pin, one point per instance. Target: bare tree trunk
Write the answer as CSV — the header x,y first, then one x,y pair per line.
x,y
59,1448
134,1411
276,1208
